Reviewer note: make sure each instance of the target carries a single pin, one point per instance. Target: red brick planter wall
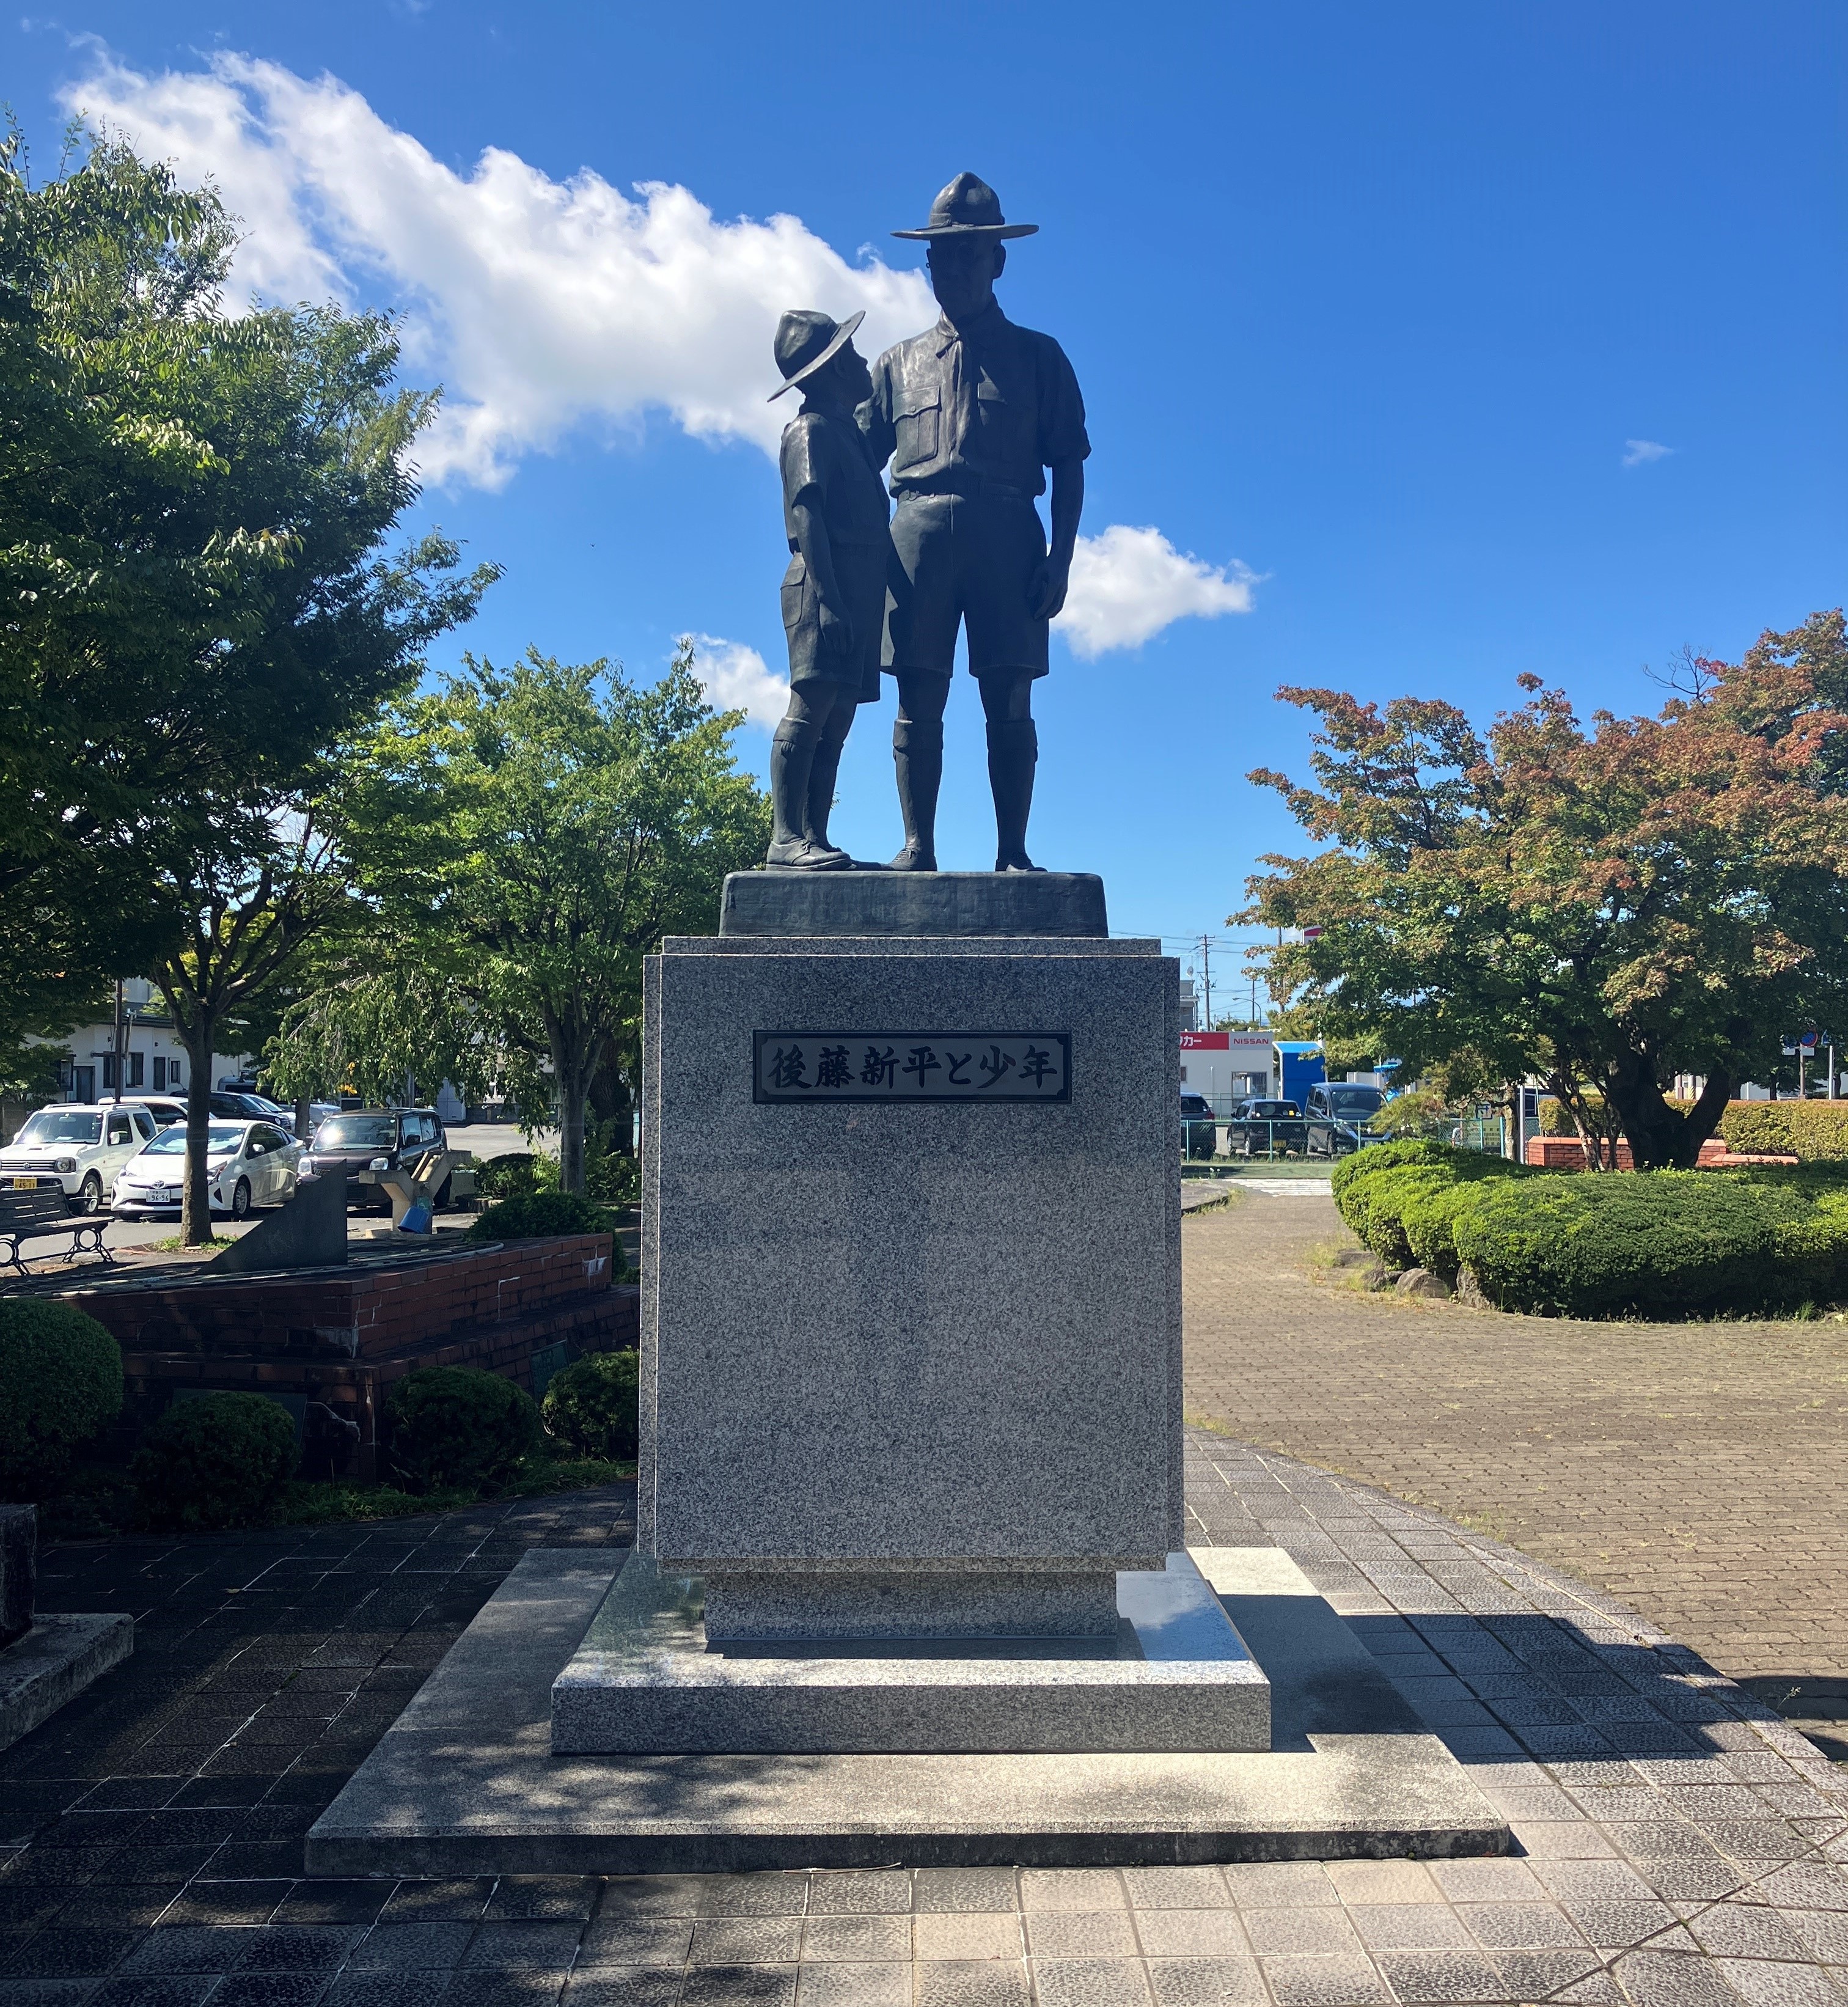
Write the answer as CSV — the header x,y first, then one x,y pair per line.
x,y
341,1336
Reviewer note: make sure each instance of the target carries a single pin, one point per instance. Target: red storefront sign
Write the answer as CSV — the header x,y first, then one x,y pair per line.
x,y
1206,1042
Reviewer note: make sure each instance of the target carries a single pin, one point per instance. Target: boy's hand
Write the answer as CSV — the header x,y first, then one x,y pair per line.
x,y
837,631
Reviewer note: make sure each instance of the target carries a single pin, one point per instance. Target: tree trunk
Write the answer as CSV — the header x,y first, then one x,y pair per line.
x,y
303,1119
195,1204
1660,1139
609,1104
568,1070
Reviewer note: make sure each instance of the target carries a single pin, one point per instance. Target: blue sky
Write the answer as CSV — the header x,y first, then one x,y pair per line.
x,y
1367,304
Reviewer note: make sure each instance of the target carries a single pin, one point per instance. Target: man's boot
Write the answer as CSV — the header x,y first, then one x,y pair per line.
x,y
1013,753
792,764
821,791
918,753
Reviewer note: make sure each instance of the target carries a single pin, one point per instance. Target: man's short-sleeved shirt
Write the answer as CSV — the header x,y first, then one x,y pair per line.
x,y
824,464
991,400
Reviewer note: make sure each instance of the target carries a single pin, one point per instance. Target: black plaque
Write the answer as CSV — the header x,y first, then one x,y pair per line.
x,y
792,1069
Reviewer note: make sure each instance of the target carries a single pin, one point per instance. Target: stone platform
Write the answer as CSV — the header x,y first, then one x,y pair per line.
x,y
465,1783
915,904
1174,1675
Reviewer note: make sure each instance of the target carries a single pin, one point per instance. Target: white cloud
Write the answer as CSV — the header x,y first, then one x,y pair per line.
x,y
1127,585
542,304
1639,452
737,678
545,305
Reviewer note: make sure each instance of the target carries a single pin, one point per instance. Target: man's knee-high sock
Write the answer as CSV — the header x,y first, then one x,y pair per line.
x,y
1013,753
918,753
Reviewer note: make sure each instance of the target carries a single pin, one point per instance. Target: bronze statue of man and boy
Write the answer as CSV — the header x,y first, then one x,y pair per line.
x,y
970,414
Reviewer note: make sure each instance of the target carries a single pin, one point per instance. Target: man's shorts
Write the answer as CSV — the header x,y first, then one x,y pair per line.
x,y
970,561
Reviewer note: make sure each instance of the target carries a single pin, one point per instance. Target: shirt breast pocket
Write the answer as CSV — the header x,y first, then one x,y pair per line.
x,y
1002,425
916,423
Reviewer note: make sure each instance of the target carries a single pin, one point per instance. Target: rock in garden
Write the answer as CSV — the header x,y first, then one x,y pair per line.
x,y
1421,1282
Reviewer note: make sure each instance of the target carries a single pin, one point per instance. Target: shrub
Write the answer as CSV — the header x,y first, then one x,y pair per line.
x,y
221,1460
591,1407
457,1428
1654,1243
60,1381
1372,1158
540,1215
513,1174
1814,1132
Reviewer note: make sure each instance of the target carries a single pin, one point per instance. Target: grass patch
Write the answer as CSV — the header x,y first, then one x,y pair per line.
x,y
173,1244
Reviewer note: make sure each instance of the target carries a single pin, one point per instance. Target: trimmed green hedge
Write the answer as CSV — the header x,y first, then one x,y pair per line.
x,y
1586,1244
61,1381
538,1216
458,1428
591,1408
219,1461
1815,1132
1400,1198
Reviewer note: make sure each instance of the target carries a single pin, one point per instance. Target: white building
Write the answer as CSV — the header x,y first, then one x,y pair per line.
x,y
1225,1065
154,1061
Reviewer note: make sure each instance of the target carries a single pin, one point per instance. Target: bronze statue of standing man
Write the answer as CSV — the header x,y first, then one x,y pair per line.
x,y
972,413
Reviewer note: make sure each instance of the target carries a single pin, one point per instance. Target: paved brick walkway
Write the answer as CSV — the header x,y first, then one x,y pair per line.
x,y
1699,1472
1679,1843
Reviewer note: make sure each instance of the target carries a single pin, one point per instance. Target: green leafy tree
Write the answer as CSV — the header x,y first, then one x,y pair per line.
x,y
193,506
523,837
1605,907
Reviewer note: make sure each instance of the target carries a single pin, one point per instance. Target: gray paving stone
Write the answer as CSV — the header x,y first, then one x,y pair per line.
x,y
1091,1982
856,1940
1207,1982
855,1985
1108,1934
1202,1933
1342,1981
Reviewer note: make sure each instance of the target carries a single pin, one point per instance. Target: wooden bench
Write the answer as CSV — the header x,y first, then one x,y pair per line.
x,y
40,1214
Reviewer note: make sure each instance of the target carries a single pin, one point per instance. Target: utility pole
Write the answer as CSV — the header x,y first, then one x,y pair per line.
x,y
121,1043
1206,978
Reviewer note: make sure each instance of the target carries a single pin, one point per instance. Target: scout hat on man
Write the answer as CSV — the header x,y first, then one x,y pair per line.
x,y
806,340
968,207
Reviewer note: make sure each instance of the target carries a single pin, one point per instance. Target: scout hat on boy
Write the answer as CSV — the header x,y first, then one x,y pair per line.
x,y
968,207
806,340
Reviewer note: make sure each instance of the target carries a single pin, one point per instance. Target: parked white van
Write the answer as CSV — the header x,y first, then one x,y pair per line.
x,y
80,1150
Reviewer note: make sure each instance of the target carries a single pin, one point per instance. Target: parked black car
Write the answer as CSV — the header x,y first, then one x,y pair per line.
x,y
1260,1128
1338,1114
374,1139
1199,1132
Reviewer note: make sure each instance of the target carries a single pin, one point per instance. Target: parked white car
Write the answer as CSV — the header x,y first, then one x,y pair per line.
x,y
80,1150
247,1164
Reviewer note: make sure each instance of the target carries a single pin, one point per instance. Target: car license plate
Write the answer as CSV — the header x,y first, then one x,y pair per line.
x,y
25,1184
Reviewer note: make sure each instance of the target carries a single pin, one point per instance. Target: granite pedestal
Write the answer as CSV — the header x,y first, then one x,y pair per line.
x,y
1172,1674
896,1334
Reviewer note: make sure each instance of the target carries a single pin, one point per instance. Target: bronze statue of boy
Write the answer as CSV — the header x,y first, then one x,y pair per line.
x,y
835,514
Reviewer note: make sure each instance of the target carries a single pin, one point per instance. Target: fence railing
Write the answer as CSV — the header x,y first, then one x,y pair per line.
x,y
1221,1141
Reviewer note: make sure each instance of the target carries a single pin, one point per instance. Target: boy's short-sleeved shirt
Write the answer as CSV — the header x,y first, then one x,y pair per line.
x,y
985,406
824,464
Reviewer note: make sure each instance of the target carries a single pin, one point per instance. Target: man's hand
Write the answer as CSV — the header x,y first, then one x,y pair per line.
x,y
836,631
1052,580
